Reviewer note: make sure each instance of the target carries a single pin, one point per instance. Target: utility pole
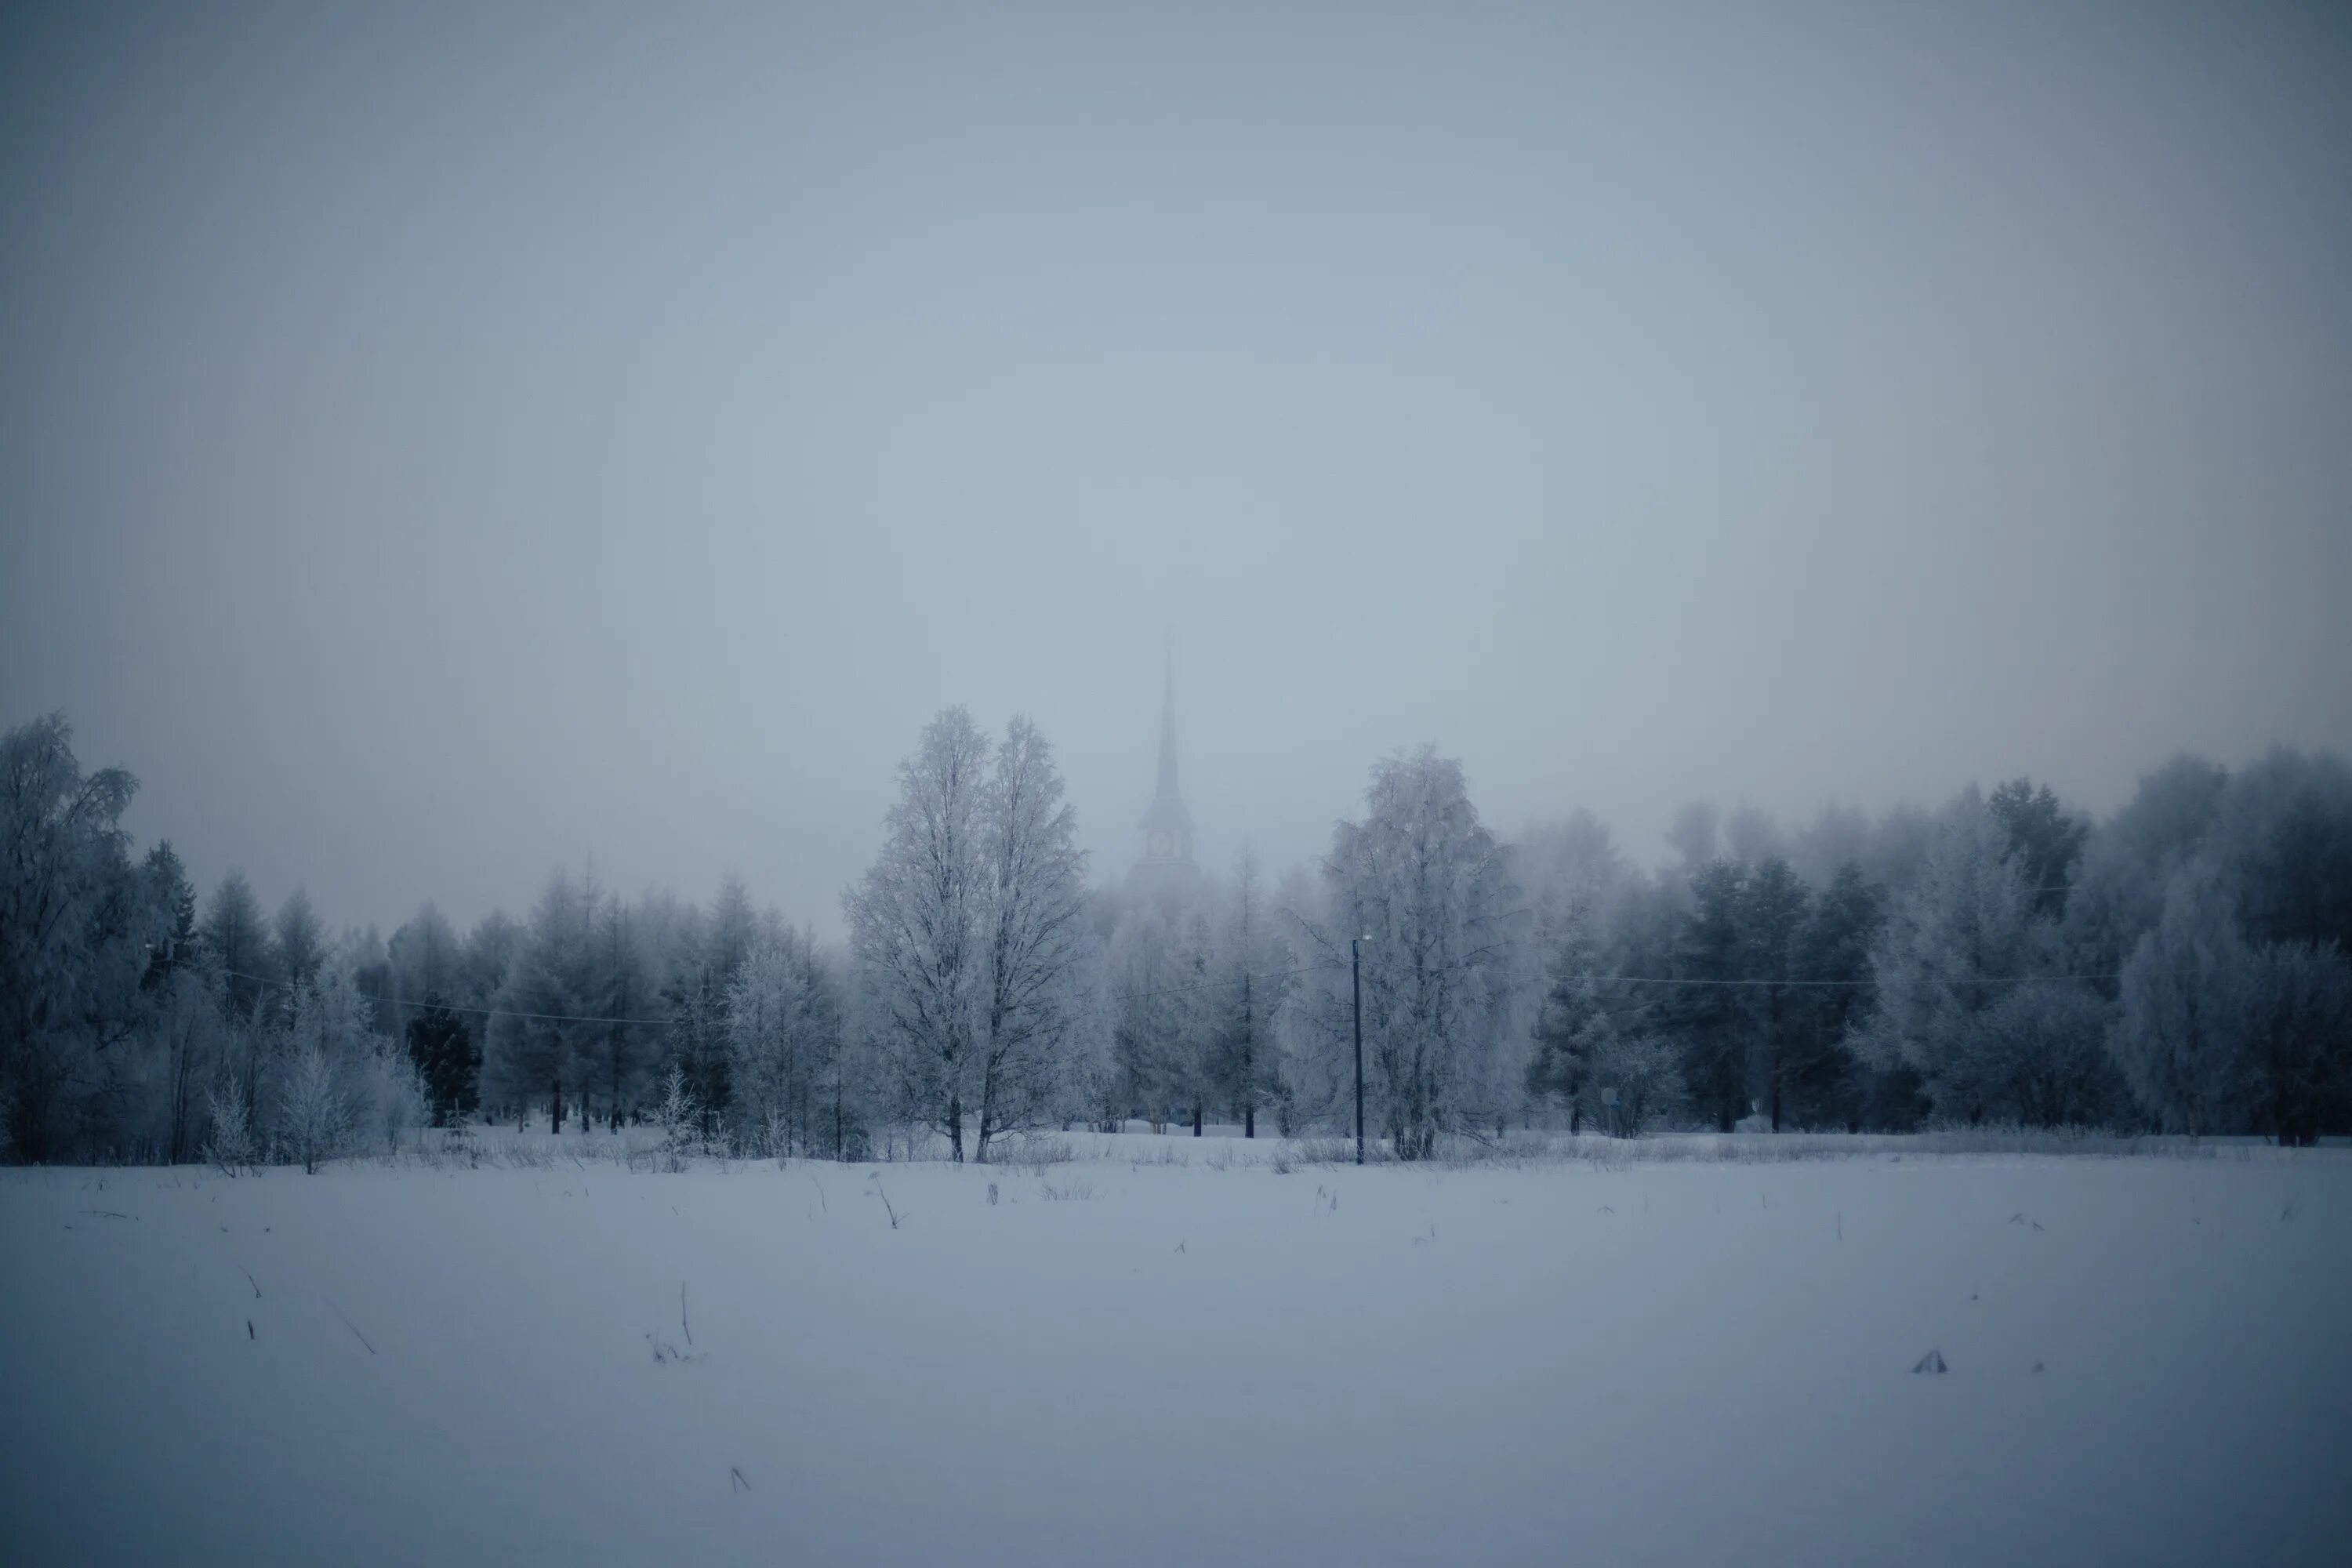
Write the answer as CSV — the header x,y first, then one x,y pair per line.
x,y
1356,978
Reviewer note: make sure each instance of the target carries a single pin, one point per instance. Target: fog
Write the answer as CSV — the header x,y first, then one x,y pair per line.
x,y
437,443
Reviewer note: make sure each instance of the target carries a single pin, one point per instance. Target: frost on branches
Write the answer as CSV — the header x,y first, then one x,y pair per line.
x,y
970,933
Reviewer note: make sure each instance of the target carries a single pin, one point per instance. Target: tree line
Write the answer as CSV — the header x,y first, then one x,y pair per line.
x,y
2180,966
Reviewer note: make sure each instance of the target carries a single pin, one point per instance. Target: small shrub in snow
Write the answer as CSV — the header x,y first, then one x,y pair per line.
x,y
1073,1191
230,1146
397,1102
680,1116
313,1109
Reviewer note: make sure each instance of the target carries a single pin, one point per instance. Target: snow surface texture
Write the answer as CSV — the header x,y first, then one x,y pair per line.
x,y
2149,1361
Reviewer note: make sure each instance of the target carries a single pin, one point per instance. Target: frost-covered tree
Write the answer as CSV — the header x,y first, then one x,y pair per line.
x,y
425,960
79,925
1170,1006
301,939
2299,1041
1310,1080
537,1038
191,1037
2044,840
783,1028
2281,840
971,935
2040,1057
679,1115
488,958
1955,942
393,1100
1580,895
235,937
915,926
2182,1035
2117,893
1198,1004
332,1077
1254,977
168,885
1424,879
229,1144
1647,1077
1824,1081
441,1043
1152,979
1035,936
1705,1010
1774,908
730,932
1577,1028
617,1055
707,952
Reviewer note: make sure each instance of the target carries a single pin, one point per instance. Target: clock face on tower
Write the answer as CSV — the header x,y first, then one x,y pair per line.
x,y
1160,846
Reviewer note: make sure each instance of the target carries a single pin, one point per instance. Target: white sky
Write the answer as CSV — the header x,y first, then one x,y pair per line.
x,y
435,445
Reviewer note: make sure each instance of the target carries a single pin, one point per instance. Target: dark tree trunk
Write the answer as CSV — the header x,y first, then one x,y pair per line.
x,y
1196,1119
555,1108
1249,1121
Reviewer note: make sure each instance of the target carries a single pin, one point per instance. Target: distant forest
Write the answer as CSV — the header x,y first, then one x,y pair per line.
x,y
2005,959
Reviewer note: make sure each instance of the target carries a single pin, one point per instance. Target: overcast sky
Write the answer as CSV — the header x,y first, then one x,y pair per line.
x,y
439,443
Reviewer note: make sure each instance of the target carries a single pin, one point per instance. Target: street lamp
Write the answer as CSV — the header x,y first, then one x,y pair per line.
x,y
1356,978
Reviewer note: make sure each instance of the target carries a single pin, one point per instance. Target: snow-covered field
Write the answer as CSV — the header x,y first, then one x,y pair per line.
x,y
2150,1360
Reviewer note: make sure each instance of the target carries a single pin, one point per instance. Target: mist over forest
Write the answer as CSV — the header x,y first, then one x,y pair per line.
x,y
2000,958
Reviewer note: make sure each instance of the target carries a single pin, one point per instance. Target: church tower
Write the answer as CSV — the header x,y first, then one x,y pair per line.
x,y
1166,868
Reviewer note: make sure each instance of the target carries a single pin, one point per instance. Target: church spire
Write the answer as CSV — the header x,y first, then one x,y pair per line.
x,y
1168,728
1167,826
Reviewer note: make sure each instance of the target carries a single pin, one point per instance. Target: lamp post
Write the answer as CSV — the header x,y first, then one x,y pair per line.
x,y
1356,979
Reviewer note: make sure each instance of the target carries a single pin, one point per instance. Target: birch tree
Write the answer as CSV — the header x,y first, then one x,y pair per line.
x,y
2182,1035
971,935
1424,880
1035,931
1955,942
914,922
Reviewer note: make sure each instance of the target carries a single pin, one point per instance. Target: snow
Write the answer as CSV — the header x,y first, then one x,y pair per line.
x,y
2149,1362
